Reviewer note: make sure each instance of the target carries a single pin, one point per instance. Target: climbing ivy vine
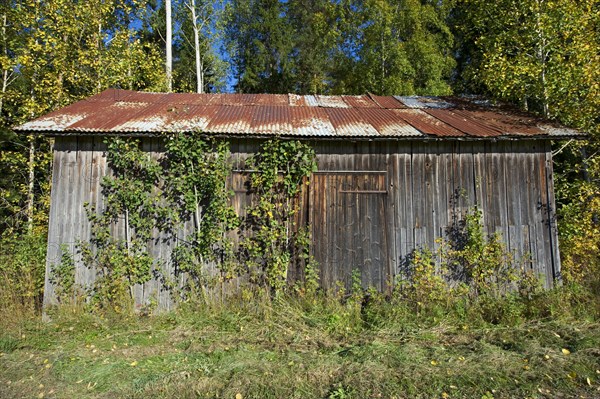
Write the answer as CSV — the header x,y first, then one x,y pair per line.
x,y
196,173
271,236
184,197
123,228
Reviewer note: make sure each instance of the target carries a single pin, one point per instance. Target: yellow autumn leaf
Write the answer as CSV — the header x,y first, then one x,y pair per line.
x,y
238,396
434,363
565,351
134,363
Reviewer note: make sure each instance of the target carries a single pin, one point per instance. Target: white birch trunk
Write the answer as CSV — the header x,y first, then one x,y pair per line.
x,y
169,47
199,67
5,75
30,184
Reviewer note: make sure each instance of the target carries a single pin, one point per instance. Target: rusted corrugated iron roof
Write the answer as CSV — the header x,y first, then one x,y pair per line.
x,y
312,116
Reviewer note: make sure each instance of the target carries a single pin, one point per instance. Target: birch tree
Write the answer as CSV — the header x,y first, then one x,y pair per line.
x,y
169,45
65,51
204,21
544,55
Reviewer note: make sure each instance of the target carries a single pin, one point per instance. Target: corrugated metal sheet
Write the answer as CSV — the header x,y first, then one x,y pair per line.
x,y
332,102
503,123
464,123
387,123
310,121
388,102
360,102
559,132
368,116
427,124
423,102
349,122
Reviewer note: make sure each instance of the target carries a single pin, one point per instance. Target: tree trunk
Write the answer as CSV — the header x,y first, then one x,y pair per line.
x,y
30,184
169,47
5,75
541,54
199,66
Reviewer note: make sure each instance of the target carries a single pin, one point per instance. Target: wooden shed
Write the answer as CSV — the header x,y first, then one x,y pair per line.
x,y
392,174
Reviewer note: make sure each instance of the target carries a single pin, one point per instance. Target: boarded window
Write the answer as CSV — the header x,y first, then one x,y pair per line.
x,y
349,224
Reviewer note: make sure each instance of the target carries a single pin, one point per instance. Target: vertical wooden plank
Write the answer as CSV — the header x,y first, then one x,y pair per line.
x,y
69,178
545,246
418,185
54,220
491,212
98,171
527,206
555,268
513,204
478,149
84,195
440,200
429,182
520,244
393,226
502,199
409,213
321,236
466,186
538,193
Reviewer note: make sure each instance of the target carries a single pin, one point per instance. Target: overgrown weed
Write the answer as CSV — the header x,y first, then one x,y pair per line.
x,y
355,346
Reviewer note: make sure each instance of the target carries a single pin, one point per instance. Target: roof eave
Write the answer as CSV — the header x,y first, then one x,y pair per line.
x,y
571,135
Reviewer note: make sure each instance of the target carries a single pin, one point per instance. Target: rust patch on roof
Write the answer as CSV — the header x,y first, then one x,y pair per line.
x,y
387,123
349,122
367,116
331,102
427,124
360,102
310,121
503,123
465,123
424,102
388,102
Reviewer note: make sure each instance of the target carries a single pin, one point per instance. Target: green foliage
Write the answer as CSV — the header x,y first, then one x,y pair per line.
x,y
426,285
578,194
196,175
189,187
62,276
22,268
394,47
133,206
350,47
471,269
483,263
309,285
280,169
542,55
260,42
313,348
317,31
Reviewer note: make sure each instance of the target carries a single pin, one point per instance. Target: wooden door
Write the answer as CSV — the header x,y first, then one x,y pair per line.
x,y
349,227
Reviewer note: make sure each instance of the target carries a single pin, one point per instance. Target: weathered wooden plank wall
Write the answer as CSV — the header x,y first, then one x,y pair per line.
x,y
429,185
369,205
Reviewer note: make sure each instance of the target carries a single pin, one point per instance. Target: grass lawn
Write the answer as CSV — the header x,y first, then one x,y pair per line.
x,y
300,349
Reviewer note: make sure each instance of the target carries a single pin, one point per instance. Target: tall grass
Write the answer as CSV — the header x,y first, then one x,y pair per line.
x,y
356,345
22,268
